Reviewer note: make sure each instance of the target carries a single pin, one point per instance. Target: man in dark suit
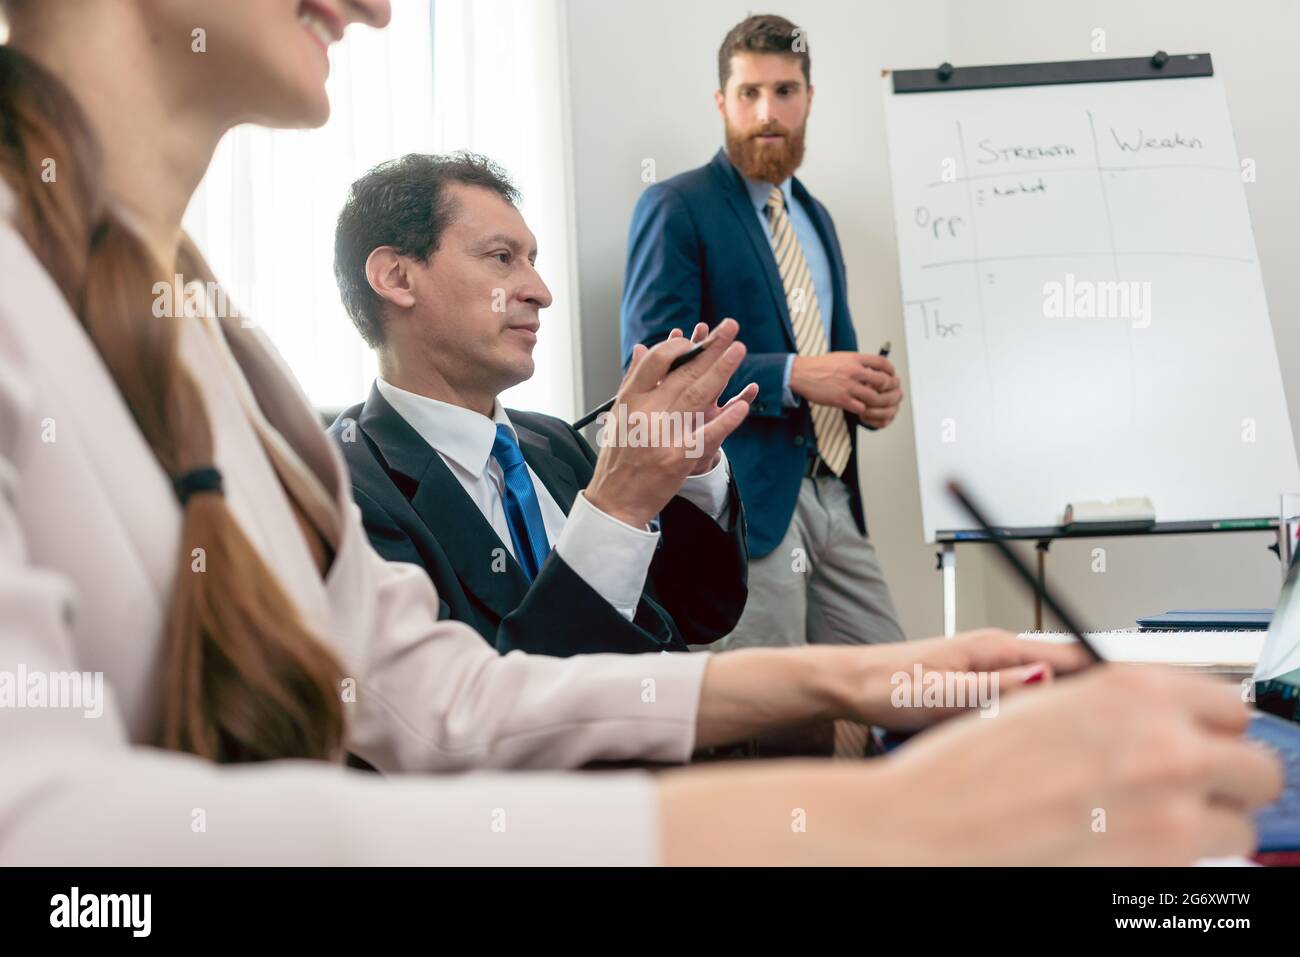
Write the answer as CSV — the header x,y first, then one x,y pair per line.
x,y
530,537
742,237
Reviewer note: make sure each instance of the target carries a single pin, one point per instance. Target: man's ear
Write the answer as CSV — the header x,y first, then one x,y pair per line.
x,y
389,275
720,98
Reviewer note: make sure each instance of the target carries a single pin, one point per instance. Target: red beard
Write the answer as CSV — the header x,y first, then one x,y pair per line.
x,y
767,162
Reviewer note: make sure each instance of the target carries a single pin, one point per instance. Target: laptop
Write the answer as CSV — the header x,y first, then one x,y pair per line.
x,y
1276,720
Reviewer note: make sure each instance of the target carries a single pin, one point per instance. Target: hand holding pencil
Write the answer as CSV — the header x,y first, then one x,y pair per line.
x,y
665,422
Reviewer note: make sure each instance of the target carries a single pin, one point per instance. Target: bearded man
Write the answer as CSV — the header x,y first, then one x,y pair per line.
x,y
741,237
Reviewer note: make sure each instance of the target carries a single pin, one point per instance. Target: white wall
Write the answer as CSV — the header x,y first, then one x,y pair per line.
x,y
642,79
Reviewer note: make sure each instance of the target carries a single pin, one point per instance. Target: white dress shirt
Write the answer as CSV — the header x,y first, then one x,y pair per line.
x,y
609,555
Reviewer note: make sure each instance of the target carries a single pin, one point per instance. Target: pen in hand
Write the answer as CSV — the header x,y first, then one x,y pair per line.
x,y
884,353
604,407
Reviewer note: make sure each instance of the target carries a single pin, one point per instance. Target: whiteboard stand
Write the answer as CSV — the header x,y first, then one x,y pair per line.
x,y
1044,536
948,565
1019,188
1041,548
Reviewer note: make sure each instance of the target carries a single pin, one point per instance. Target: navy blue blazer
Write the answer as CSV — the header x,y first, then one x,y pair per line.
x,y
415,510
696,252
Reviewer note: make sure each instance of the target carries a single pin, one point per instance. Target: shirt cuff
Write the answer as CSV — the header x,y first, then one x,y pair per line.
x,y
609,555
788,398
709,492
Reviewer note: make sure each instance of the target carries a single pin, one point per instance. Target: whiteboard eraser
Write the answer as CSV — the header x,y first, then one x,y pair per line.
x,y
1137,512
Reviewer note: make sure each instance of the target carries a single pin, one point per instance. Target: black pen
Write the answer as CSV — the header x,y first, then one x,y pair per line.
x,y
676,364
884,353
1068,619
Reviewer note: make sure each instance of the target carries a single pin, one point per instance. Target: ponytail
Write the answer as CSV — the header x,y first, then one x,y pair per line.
x,y
243,678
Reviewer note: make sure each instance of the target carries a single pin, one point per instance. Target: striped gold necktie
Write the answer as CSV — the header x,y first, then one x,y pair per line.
x,y
833,440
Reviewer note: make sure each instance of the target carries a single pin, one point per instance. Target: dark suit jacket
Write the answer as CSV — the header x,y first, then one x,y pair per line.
x,y
415,510
697,253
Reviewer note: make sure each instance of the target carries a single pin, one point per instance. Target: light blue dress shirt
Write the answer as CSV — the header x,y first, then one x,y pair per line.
x,y
819,264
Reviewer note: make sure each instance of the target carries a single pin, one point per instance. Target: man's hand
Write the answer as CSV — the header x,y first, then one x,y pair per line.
x,y
707,463
636,476
857,382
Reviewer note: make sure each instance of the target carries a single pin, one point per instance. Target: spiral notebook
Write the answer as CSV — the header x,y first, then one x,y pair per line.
x,y
1219,651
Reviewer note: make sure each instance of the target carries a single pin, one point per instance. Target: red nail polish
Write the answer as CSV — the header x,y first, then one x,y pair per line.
x,y
1036,675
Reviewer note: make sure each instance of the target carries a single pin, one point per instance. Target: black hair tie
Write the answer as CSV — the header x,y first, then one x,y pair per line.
x,y
196,481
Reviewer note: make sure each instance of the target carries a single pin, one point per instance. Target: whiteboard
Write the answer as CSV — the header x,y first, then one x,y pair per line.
x,y
1084,312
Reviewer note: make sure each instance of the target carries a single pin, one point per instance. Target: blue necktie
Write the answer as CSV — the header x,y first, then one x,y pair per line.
x,y
523,514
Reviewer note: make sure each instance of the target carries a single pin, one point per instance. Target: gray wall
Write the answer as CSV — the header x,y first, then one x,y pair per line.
x,y
641,80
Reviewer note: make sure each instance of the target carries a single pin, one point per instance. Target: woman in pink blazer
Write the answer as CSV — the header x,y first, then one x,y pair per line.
x,y
185,585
